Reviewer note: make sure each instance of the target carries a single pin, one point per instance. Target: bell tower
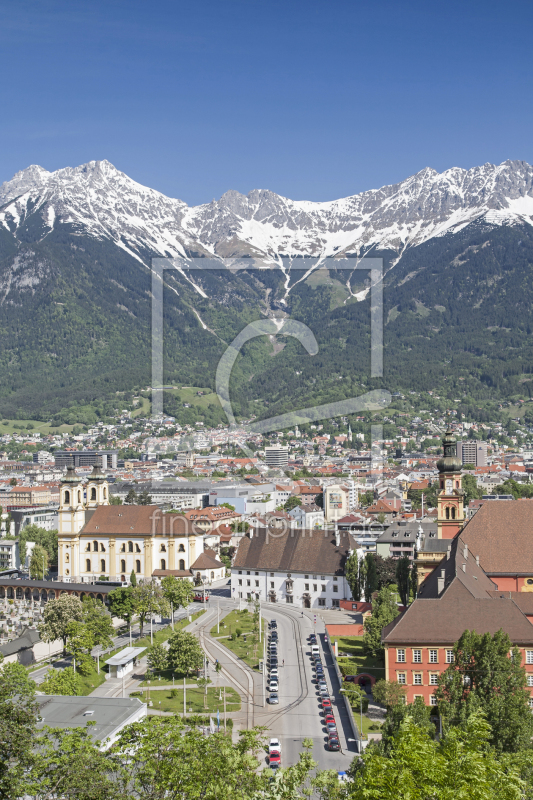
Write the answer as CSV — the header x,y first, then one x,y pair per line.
x,y
450,498
71,519
97,489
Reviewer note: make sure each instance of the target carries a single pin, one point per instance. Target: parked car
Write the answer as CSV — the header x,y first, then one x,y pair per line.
x,y
321,682
274,762
199,598
273,623
273,698
312,638
274,673
333,743
329,718
273,685
326,704
274,744
324,691
331,727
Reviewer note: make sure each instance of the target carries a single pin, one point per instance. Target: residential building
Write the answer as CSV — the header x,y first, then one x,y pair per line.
x,y
9,554
43,517
336,502
473,452
30,496
277,457
43,457
455,597
311,516
211,517
106,459
303,568
176,494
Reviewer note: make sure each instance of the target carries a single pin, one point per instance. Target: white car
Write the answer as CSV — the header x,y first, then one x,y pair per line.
x,y
273,685
274,673
274,744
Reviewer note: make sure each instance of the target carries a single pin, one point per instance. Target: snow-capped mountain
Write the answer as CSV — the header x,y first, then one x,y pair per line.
x,y
99,200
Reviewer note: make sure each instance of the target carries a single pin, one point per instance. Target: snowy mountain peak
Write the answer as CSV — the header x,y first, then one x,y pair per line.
x,y
98,199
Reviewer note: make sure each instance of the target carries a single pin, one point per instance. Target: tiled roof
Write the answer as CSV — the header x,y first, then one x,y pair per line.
x,y
205,561
294,551
501,533
455,597
137,520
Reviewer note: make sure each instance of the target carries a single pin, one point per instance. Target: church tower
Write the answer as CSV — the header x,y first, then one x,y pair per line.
x,y
450,498
97,489
71,519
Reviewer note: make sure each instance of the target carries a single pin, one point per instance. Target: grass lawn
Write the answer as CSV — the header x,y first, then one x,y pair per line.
x,y
357,660
195,699
164,634
246,651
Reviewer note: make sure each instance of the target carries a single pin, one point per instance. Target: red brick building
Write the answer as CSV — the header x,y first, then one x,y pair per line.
x,y
455,597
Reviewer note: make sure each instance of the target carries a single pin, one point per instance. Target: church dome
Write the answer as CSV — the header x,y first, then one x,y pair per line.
x,y
71,476
450,462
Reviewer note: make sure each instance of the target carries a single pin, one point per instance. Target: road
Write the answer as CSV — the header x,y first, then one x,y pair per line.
x,y
298,715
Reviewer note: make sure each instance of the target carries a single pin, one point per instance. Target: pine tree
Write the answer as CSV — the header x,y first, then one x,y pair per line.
x,y
133,579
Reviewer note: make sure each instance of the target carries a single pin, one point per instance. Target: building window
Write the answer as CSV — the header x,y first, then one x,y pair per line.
x,y
289,598
163,564
401,678
240,581
123,548
433,679
306,577
531,702
130,547
530,680
93,493
102,564
122,565
450,658
321,601
400,656
417,679
240,572
95,547
271,584
181,549
335,588
257,583
162,549
433,656
306,587
432,700
315,587
67,498
102,548
137,548
137,566
322,577
335,603
247,583
529,656
417,656
335,578
271,574
182,565
87,565
323,587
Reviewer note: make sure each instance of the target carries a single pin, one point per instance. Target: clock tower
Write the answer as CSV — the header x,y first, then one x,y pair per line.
x,y
450,498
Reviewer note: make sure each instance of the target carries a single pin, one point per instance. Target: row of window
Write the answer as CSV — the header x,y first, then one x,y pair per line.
x,y
417,678
289,575
417,656
434,656
163,565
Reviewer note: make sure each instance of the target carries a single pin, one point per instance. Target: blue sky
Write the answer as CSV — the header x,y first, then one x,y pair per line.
x,y
313,100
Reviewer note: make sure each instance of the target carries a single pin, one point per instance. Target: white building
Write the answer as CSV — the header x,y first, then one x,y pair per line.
x,y
308,516
276,457
303,568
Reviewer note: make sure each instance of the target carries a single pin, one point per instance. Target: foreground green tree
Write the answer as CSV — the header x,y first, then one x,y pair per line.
x,y
80,644
352,576
39,563
61,681
57,616
158,657
62,762
18,720
98,621
370,577
178,592
487,675
148,599
184,652
388,693
420,768
403,573
384,611
122,604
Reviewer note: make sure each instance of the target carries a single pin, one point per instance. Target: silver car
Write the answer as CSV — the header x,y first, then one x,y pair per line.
x,y
273,698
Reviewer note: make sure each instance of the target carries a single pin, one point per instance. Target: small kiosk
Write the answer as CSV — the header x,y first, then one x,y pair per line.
x,y
122,663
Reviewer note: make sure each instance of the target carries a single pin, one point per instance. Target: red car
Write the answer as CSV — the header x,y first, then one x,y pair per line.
x,y
199,598
274,759
329,718
326,704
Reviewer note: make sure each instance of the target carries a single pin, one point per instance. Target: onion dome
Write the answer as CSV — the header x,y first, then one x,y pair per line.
x,y
71,476
97,474
450,462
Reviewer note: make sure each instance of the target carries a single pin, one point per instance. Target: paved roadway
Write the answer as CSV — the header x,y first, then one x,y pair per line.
x,y
298,715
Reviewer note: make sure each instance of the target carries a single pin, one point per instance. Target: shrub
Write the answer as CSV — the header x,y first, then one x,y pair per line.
x,y
238,632
174,692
